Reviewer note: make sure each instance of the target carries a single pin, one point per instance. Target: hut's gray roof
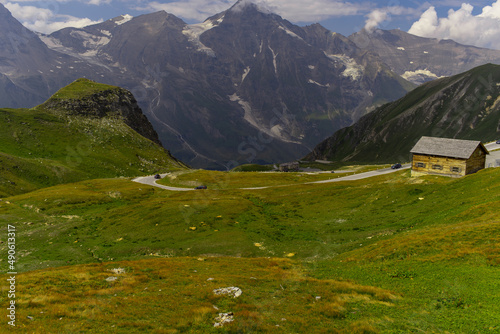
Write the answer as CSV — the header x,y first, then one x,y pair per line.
x,y
445,147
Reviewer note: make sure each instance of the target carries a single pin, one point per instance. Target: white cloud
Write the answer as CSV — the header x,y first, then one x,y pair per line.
x,y
98,2
45,20
315,10
293,10
462,26
380,15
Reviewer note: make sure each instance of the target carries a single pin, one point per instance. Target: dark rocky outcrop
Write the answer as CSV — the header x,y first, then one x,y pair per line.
x,y
107,101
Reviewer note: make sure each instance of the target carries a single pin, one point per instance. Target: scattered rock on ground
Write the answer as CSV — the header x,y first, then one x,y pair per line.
x,y
224,318
231,291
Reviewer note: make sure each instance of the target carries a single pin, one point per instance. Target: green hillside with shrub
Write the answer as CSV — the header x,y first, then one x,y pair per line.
x,y
46,145
464,106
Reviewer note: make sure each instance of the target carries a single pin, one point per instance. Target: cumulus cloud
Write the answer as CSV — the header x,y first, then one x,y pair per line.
x,y
462,26
45,20
380,15
293,10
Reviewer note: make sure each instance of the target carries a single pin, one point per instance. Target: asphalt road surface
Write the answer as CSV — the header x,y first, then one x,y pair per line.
x,y
151,181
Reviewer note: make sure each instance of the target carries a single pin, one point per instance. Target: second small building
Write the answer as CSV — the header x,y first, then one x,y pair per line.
x,y
450,157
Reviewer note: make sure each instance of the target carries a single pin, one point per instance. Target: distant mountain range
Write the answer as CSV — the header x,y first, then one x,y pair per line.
x,y
465,106
419,59
243,86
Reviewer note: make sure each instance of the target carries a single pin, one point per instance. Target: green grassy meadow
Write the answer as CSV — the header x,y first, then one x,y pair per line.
x,y
388,254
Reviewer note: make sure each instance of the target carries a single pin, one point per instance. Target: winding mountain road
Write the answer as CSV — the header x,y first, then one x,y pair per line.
x,y
151,181
493,160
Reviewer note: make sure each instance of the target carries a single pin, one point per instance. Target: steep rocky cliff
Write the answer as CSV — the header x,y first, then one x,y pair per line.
x,y
90,99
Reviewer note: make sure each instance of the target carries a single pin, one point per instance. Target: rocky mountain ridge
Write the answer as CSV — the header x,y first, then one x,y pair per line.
x,y
420,59
243,86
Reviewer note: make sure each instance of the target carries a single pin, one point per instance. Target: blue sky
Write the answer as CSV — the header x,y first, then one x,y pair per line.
x,y
474,22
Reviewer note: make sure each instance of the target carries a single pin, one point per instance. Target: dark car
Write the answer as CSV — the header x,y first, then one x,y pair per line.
x,y
498,141
157,176
396,166
201,187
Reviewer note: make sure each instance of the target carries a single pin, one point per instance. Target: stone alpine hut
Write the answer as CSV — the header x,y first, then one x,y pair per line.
x,y
449,157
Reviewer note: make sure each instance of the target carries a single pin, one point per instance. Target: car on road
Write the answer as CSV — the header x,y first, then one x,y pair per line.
x,y
396,166
201,187
498,141
157,176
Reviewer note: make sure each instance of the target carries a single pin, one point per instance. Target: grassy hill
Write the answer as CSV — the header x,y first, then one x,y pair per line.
x,y
465,106
391,254
98,253
84,131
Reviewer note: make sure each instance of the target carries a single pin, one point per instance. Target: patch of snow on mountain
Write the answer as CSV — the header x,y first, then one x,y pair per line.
x,y
52,43
219,21
89,41
275,55
276,131
125,19
401,48
317,83
426,52
245,73
105,32
291,33
88,56
420,76
352,69
311,67
193,33
249,117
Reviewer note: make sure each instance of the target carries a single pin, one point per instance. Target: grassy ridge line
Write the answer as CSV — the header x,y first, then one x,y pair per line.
x,y
82,88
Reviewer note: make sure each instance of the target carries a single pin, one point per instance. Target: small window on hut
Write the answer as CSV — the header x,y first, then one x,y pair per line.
x,y
456,169
438,167
420,165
